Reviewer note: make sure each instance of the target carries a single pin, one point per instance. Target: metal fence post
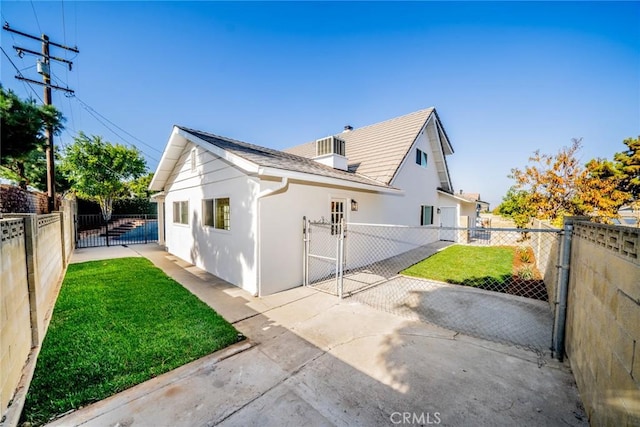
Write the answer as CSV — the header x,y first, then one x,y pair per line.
x,y
340,258
562,290
106,232
304,251
145,229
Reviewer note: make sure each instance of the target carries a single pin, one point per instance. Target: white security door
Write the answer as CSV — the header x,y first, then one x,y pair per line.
x,y
448,220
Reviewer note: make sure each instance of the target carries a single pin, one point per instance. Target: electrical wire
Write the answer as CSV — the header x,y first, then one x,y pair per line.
x,y
36,15
132,136
97,116
20,74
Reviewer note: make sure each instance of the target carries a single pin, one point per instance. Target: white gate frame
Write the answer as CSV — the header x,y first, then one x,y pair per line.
x,y
339,271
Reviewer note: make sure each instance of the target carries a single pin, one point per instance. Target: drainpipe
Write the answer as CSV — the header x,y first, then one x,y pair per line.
x,y
284,183
562,289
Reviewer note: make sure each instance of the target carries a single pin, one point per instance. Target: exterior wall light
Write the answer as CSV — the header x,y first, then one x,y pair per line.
x,y
354,205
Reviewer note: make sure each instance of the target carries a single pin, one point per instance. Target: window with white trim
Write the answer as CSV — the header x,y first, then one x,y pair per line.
x,y
426,215
421,158
216,213
181,212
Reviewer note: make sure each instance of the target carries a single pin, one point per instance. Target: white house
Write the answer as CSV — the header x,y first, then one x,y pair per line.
x,y
235,209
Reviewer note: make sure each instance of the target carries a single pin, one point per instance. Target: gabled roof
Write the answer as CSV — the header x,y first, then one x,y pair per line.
x,y
254,159
375,154
377,150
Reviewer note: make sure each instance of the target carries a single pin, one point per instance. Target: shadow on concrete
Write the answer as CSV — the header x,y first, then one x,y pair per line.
x,y
318,360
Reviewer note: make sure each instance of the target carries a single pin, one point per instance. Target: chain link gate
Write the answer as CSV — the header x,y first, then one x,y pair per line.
x,y
323,261
495,284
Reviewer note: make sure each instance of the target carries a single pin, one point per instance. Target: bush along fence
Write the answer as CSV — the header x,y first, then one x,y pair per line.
x,y
34,253
15,199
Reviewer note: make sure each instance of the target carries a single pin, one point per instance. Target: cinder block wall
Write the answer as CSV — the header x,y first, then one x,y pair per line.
x,y
33,254
603,322
15,330
50,264
545,247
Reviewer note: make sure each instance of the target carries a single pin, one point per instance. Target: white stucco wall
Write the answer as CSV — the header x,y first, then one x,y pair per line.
x,y
230,255
263,250
419,185
281,245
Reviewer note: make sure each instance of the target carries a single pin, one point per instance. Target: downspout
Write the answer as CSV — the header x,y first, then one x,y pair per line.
x,y
284,183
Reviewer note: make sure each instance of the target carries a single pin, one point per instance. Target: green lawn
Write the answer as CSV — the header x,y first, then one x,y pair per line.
x,y
116,324
487,267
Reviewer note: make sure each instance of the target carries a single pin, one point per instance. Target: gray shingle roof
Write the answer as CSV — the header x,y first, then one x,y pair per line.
x,y
268,157
377,150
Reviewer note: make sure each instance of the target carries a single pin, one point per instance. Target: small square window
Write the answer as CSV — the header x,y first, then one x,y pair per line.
x,y
181,212
421,158
207,212
223,214
216,213
426,215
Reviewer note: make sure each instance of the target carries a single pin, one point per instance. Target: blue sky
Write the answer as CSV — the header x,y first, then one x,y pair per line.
x,y
507,78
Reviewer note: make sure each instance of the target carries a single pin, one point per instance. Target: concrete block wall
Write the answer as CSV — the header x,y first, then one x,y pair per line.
x,y
545,247
50,265
603,321
34,252
15,330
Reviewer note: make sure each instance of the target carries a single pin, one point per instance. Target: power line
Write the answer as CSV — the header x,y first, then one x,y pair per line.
x,y
97,116
36,15
20,74
64,28
132,136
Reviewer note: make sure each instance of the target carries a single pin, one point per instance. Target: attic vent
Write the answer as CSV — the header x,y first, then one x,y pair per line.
x,y
330,145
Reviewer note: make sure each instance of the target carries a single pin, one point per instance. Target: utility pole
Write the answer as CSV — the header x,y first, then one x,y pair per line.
x,y
44,68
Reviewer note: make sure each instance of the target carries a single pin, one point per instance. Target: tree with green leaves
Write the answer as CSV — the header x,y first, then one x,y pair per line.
x,y
628,163
22,127
101,171
516,205
599,189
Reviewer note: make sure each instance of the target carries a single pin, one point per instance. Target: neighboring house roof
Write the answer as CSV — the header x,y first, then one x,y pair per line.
x,y
471,196
254,159
454,196
378,150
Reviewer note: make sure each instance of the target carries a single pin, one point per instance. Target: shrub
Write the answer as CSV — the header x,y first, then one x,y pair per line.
x,y
526,272
524,254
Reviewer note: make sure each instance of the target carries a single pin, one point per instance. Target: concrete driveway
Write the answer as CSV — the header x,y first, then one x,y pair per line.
x,y
312,359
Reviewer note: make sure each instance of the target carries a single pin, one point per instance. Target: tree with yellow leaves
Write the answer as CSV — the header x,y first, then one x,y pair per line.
x,y
558,185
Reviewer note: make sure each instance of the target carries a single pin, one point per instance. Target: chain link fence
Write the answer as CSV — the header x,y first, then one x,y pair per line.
x,y
485,282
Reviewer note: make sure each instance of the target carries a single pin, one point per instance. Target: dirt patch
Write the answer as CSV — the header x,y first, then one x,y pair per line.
x,y
526,280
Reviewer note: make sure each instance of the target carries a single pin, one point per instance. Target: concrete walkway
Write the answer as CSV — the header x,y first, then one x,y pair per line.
x,y
312,359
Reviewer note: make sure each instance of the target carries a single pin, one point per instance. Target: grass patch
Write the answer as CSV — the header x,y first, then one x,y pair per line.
x,y
478,266
118,323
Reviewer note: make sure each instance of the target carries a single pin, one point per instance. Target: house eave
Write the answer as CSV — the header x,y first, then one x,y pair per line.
x,y
324,180
177,141
453,196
